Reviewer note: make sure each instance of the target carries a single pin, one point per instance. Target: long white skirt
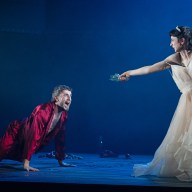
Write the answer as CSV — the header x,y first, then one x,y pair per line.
x,y
173,158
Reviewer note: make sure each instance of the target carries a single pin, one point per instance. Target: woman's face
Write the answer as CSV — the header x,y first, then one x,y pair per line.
x,y
177,44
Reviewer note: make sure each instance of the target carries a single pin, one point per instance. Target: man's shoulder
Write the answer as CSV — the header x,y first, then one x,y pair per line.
x,y
44,106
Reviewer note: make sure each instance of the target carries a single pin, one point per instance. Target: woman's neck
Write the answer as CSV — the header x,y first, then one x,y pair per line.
x,y
185,54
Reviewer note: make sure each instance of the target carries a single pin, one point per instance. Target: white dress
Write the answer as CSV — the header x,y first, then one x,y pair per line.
x,y
173,158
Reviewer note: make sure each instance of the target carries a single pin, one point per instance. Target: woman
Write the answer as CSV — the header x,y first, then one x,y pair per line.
x,y
173,158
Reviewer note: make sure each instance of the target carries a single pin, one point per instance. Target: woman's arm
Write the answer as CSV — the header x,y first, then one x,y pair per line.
x,y
159,66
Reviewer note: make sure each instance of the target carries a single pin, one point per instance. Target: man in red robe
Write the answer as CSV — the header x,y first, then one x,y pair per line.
x,y
25,137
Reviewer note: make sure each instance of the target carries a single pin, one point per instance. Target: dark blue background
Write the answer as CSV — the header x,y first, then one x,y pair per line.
x,y
81,43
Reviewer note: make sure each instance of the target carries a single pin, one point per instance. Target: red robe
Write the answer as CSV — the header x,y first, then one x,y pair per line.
x,y
24,138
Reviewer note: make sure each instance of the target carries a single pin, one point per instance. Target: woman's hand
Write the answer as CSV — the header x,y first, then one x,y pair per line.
x,y
124,76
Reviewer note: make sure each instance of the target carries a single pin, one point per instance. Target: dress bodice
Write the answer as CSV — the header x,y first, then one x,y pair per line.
x,y
183,76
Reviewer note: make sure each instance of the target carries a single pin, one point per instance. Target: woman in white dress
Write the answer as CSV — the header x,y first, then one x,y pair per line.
x,y
173,158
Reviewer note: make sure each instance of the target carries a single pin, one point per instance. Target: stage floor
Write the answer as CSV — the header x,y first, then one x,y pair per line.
x,y
92,173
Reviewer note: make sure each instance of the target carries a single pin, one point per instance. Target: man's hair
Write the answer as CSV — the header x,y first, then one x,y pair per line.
x,y
58,90
183,32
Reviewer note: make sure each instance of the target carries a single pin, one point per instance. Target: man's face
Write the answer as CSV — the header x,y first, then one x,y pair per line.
x,y
176,44
64,100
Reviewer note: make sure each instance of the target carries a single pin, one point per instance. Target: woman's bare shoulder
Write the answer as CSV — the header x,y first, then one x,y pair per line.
x,y
174,58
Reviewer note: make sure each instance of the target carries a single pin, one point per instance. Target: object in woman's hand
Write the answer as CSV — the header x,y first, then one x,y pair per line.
x,y
114,77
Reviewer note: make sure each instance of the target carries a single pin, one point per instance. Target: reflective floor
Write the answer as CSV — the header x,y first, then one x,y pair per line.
x,y
92,173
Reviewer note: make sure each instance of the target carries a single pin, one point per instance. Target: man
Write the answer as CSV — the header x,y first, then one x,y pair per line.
x,y
47,121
